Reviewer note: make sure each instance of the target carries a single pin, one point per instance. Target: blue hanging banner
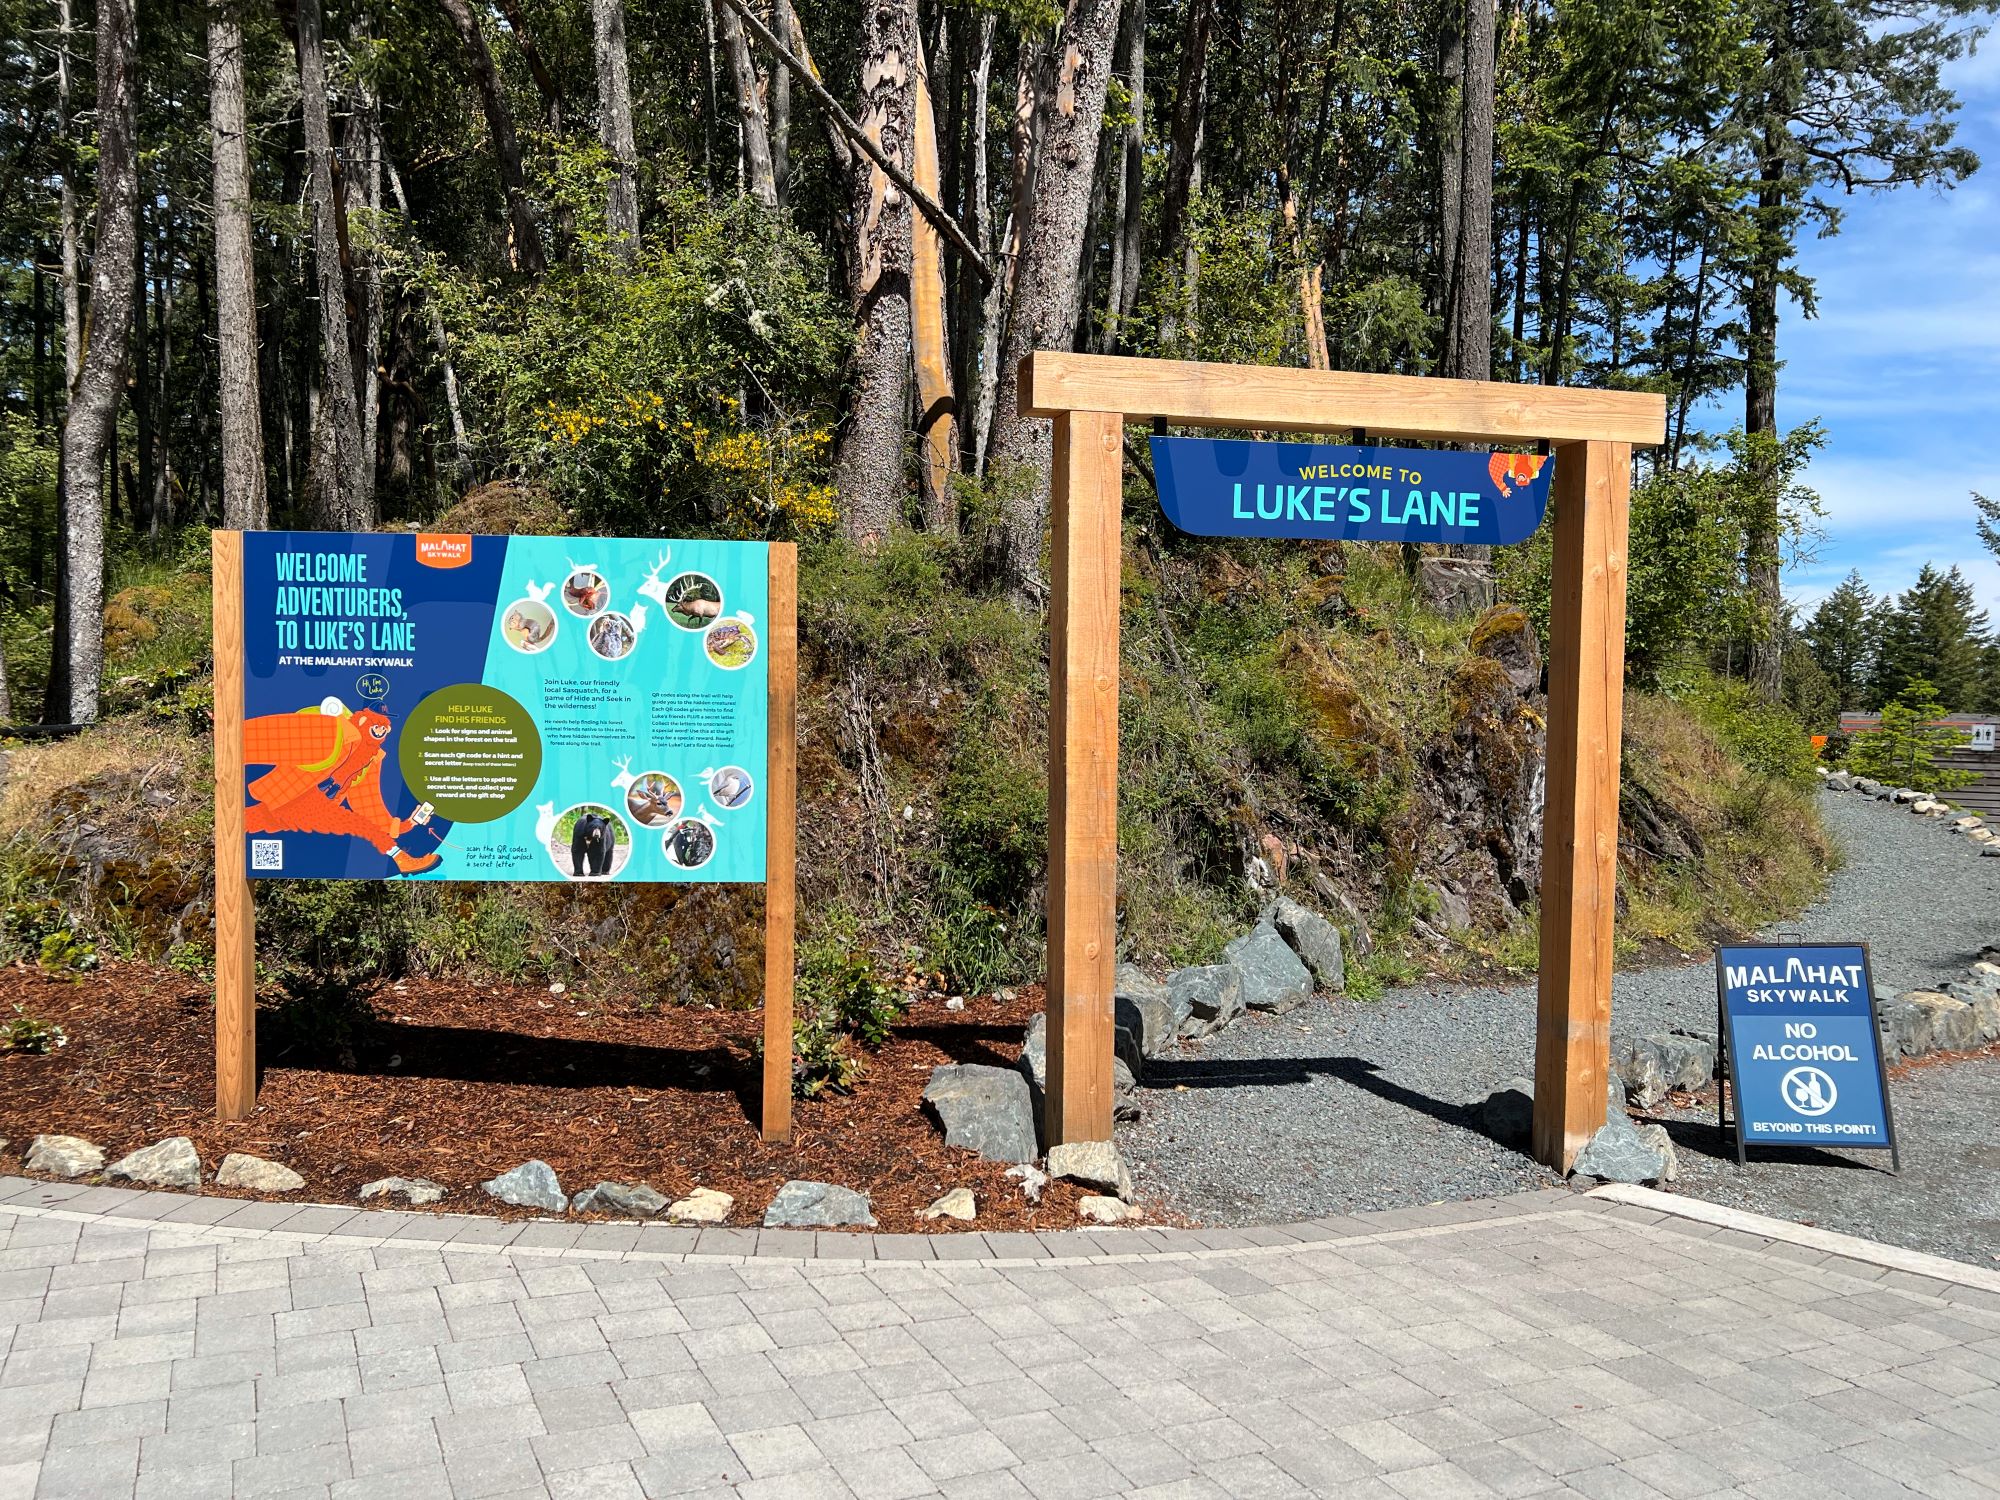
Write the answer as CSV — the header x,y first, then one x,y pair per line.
x,y
1804,1045
1319,492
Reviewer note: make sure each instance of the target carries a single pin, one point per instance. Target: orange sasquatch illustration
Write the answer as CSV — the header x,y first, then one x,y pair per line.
x,y
1520,468
326,777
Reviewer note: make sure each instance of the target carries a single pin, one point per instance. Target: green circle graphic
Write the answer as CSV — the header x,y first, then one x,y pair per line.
x,y
470,751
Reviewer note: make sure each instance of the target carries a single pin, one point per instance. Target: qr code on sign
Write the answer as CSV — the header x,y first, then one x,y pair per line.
x,y
267,854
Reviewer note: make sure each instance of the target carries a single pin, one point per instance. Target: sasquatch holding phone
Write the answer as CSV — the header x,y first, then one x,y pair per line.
x,y
326,777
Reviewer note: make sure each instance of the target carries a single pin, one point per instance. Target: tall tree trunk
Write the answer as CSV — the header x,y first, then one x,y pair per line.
x,y
76,675
781,104
461,445
365,133
937,405
338,499
1045,310
1128,249
868,469
141,494
244,504
1471,342
1023,143
1184,140
72,256
524,240
614,124
1760,413
1449,149
760,176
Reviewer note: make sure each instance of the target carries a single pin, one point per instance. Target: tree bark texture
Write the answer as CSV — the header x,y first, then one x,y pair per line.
x,y
937,404
1022,141
1184,141
759,173
93,406
1045,309
1760,418
1470,355
614,124
868,468
339,500
1128,249
524,241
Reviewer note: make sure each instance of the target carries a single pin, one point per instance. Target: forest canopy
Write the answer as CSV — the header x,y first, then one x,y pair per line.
x,y
766,267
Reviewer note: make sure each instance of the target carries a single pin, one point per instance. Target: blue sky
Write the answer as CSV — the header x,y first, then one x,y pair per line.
x,y
1902,367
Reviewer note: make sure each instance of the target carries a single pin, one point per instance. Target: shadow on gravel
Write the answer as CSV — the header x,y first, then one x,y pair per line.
x,y
1702,1138
1278,1072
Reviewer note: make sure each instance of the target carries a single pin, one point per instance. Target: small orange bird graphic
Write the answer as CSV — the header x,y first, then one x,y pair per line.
x,y
1521,468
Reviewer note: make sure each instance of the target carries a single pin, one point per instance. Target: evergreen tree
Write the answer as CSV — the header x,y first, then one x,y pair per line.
x,y
1842,638
1904,751
1988,523
1935,634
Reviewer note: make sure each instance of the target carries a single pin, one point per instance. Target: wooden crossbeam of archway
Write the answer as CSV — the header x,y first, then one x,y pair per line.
x,y
1090,398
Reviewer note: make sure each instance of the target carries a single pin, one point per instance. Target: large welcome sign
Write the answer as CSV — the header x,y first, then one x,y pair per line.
x,y
1804,1046
441,707
1320,492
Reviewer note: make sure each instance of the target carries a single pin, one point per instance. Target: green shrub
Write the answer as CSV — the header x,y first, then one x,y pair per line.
x,y
25,1033
1905,749
840,1003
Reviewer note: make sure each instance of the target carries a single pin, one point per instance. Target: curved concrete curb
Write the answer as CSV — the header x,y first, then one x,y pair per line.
x,y
1807,1237
313,1222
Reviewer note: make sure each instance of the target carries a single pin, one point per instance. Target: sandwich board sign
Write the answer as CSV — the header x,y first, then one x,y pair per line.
x,y
1804,1046
1331,492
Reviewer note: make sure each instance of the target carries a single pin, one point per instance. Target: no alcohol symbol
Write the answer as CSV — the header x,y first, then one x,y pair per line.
x,y
1808,1091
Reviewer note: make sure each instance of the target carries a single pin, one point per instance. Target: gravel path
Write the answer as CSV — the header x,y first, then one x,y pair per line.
x,y
1344,1106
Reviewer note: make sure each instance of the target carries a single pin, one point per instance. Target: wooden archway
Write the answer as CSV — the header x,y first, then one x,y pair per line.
x,y
1090,399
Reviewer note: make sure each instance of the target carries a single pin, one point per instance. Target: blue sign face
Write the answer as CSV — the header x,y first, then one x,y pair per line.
x,y
1317,492
1803,1045
438,707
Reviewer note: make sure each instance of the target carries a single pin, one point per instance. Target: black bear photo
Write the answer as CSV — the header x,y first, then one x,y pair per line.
x,y
590,844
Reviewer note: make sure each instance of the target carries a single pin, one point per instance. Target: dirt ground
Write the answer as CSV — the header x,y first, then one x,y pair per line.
x,y
458,1082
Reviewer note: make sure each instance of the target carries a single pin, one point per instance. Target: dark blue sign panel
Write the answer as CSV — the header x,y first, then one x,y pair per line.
x,y
1804,1049
1318,492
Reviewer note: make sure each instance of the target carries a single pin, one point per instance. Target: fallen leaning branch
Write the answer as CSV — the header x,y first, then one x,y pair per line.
x,y
931,209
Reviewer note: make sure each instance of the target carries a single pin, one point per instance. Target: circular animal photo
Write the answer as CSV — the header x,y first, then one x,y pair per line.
x,y
730,787
730,644
590,842
693,601
585,593
689,844
528,626
654,799
612,636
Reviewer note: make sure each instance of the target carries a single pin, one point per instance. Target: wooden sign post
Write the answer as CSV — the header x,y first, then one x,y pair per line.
x,y
1090,398
235,911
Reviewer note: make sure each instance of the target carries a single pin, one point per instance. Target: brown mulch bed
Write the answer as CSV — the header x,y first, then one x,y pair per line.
x,y
458,1082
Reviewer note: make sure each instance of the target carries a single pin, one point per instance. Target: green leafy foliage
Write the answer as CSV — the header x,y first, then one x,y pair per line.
x,y
27,1034
840,1003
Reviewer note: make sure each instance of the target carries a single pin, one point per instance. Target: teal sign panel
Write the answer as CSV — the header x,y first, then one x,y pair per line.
x,y
432,707
1322,492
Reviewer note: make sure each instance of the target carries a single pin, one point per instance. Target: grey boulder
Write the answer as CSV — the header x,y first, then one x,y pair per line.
x,y
1273,977
1653,1066
1208,997
1314,939
64,1156
531,1185
1618,1153
1034,1066
1509,1111
1145,1016
1656,1137
1095,1164
630,1200
817,1205
985,1109
257,1175
413,1190
1953,1026
169,1163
